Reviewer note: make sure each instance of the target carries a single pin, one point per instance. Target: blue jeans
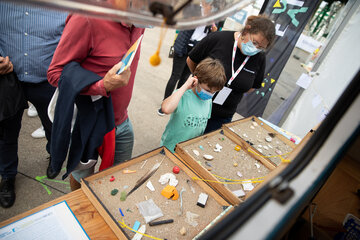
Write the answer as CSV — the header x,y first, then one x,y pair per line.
x,y
124,143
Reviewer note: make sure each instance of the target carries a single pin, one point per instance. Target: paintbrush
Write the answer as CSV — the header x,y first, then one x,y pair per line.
x,y
145,177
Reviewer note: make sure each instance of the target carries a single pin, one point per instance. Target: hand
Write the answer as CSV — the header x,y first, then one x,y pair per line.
x,y
5,65
112,80
213,28
191,82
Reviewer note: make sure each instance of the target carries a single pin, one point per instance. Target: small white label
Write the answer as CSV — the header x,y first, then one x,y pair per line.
x,y
222,95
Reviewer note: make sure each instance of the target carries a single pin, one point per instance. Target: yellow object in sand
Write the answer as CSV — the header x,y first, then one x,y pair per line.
x,y
129,171
170,192
237,148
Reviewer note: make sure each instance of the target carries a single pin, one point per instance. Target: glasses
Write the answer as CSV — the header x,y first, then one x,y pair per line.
x,y
257,45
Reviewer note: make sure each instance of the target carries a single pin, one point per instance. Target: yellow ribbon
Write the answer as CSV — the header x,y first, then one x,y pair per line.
x,y
123,225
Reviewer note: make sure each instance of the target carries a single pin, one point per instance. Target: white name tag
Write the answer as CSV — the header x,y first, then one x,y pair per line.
x,y
222,96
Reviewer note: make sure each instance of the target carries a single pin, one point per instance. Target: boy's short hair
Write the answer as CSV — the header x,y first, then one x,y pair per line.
x,y
211,72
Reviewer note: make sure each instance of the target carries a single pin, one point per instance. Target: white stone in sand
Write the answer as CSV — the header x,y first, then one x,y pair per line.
x,y
254,124
278,152
196,152
248,186
239,193
208,157
217,148
268,139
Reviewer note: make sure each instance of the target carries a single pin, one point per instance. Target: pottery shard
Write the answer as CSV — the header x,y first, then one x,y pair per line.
x,y
208,157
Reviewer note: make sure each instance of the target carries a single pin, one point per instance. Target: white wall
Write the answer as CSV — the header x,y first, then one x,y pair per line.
x,y
336,71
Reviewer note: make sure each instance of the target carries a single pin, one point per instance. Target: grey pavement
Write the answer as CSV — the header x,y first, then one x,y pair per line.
x,y
32,186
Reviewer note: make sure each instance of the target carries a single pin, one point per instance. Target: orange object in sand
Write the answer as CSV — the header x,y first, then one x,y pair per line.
x,y
170,192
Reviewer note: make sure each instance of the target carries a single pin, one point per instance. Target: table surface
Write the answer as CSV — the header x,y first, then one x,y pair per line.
x,y
85,212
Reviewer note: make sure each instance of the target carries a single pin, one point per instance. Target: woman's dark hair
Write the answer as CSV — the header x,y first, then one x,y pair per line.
x,y
260,24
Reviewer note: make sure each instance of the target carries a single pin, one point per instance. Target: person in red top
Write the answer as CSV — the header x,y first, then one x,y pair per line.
x,y
98,45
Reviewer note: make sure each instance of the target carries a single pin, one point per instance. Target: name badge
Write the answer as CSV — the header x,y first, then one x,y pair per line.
x,y
222,96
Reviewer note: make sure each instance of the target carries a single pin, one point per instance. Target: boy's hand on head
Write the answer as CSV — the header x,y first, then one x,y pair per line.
x,y
191,82
5,65
112,80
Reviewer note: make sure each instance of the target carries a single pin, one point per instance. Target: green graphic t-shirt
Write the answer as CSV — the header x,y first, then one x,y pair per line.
x,y
187,121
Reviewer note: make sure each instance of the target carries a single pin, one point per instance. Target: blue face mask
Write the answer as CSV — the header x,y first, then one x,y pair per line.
x,y
204,95
249,48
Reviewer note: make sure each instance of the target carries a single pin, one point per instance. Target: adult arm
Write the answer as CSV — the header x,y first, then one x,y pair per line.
x,y
170,104
191,64
200,51
259,78
75,45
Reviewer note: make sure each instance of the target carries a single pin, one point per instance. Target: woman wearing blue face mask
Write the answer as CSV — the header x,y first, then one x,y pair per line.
x,y
190,105
242,55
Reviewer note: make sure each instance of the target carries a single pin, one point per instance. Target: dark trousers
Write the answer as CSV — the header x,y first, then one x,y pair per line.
x,y
180,73
40,95
215,123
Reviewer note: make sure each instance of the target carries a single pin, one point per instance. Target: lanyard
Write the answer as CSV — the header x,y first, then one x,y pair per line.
x,y
232,63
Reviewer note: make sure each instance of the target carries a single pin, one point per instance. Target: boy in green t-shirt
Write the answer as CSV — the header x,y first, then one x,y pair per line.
x,y
191,104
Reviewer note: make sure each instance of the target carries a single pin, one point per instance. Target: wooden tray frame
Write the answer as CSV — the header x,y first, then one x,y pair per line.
x,y
219,187
246,145
113,224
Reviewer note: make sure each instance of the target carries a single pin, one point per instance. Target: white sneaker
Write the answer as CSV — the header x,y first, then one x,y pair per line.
x,y
39,133
31,112
160,112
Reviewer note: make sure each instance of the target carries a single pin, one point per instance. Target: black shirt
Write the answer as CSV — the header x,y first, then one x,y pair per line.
x,y
219,45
